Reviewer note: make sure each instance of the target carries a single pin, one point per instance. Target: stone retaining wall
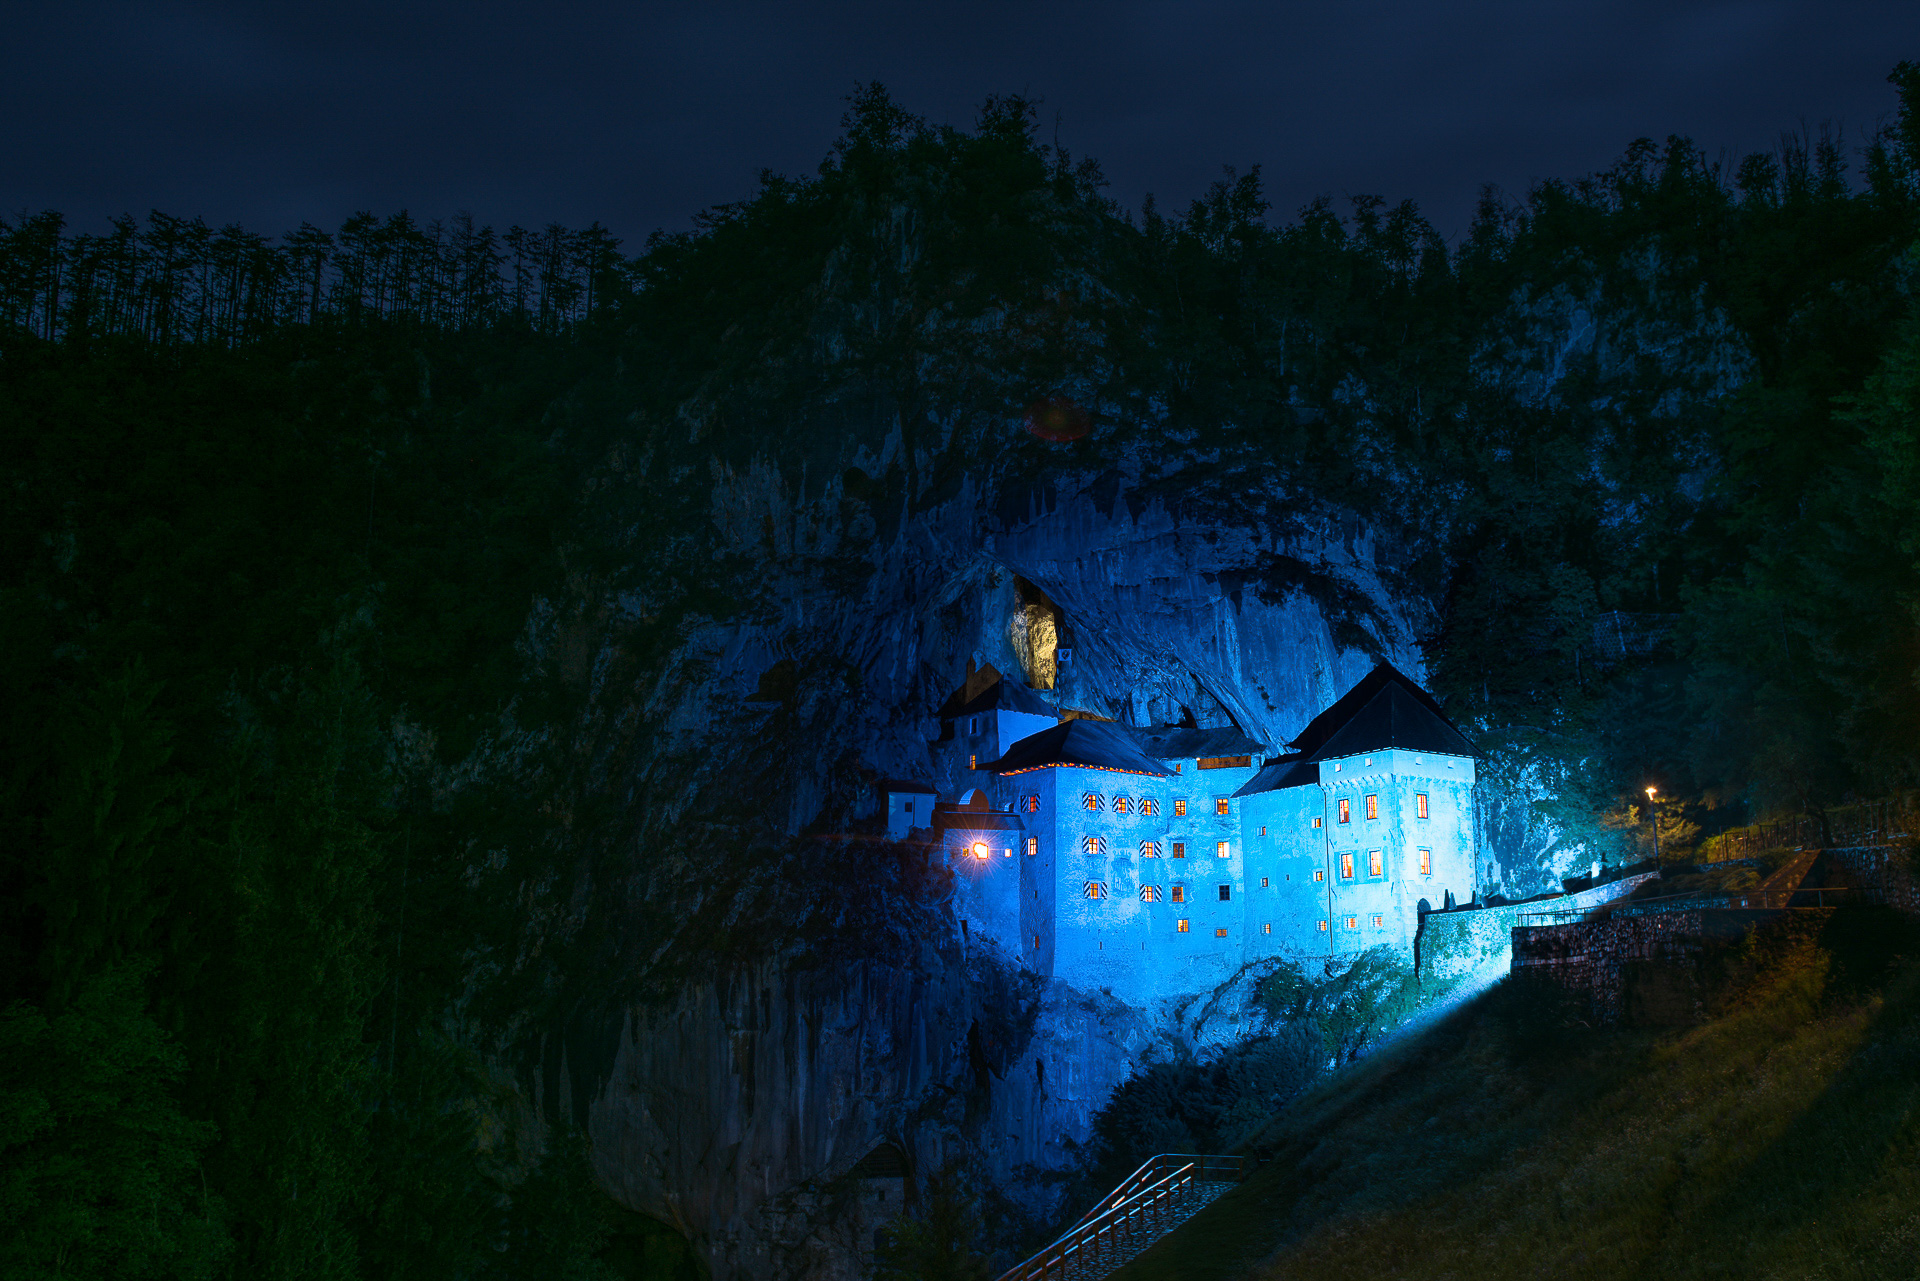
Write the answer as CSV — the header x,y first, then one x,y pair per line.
x,y
1883,873
1457,942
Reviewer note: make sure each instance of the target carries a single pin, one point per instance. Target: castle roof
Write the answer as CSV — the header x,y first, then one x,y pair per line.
x,y
1176,742
973,813
1287,771
1090,744
1384,710
1001,693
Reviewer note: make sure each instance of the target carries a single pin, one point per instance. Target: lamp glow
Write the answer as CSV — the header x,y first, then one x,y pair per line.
x,y
980,849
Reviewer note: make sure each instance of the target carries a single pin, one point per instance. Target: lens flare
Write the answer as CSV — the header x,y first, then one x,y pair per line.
x,y
1057,419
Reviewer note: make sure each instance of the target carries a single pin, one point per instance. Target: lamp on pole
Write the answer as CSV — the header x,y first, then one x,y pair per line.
x,y
1653,814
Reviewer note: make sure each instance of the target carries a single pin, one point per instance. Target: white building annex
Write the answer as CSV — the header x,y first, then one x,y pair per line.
x,y
1153,861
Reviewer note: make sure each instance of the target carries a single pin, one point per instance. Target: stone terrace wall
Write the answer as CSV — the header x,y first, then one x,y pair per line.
x,y
1885,873
1638,969
1459,941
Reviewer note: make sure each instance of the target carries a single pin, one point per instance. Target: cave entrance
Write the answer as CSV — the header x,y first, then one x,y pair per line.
x,y
1036,628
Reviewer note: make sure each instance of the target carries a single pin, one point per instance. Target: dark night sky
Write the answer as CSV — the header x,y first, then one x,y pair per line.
x,y
639,114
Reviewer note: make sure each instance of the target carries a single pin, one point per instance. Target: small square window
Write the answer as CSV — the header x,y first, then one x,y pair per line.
x,y
973,760
1121,805
1033,845
1378,920
1090,801
1319,873
1426,861
1267,928
1179,807
1220,805
1149,893
1373,805
1263,882
1226,893
1180,926
1420,805
1149,849
1373,862
1179,894
973,725
1263,829
1096,889
906,807
1149,806
1316,824
1353,922
1179,849
1320,925
1220,932
1346,867
1220,850
1346,810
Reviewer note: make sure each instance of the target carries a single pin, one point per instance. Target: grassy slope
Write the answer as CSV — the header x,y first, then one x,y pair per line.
x,y
1781,1138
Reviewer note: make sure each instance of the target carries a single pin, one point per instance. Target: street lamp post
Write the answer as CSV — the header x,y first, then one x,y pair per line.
x,y
1653,813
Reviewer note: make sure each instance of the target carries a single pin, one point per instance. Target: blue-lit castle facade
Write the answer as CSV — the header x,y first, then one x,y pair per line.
x,y
1161,860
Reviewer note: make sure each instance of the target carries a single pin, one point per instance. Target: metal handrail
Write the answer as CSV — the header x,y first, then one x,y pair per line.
x,y
1099,1222
1703,900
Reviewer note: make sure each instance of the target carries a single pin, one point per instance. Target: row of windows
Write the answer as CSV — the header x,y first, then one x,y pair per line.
x,y
1096,846
1379,921
1152,893
1345,807
1376,860
1148,806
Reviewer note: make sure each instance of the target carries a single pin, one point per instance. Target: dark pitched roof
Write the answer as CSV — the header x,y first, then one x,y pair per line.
x,y
1174,742
1006,695
1384,710
1095,744
1288,771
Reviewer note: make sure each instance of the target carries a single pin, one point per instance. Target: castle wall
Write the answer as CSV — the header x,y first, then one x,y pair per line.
x,y
1369,908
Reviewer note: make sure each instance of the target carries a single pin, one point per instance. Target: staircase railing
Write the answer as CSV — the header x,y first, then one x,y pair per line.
x,y
1144,1202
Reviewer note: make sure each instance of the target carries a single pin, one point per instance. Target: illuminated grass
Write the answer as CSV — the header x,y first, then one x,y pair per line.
x,y
1779,1139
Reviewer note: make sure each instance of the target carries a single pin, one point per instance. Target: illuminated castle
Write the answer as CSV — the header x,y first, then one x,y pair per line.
x,y
1161,860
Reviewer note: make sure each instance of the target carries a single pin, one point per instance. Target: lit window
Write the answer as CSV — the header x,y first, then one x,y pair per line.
x,y
1267,928
1180,926
1426,861
1316,823
1096,889
1346,811
1179,893
1030,804
1320,925
1090,802
1036,940
1319,873
1373,862
1149,806
1220,849
1353,922
1179,807
1419,804
1179,849
980,849
1094,845
1149,893
973,761
1149,849
1373,805
1220,805
1378,920
1263,882
1120,804
1226,893
1220,932
1346,867
1263,829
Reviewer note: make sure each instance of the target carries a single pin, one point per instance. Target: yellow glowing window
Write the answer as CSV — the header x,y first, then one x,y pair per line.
x,y
1267,928
1263,882
1346,867
1090,802
1220,805
1094,845
1373,806
1033,845
1319,873
1121,805
1316,823
1096,889
1149,893
1220,849
973,761
1220,932
1179,893
1149,806
1346,811
1263,829
1179,849
1320,925
1180,926
1426,862
1373,862
1149,849
1419,804
1353,922
1179,807
1031,805
1378,920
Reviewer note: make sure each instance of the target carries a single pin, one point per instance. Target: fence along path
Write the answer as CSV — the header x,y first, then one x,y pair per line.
x,y
1149,1203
